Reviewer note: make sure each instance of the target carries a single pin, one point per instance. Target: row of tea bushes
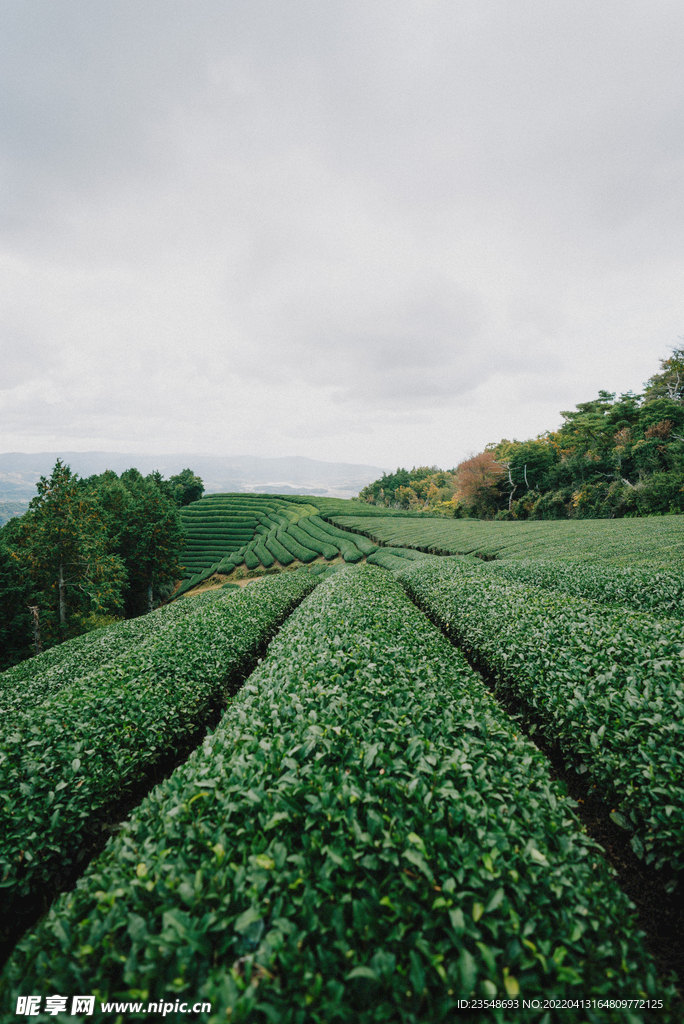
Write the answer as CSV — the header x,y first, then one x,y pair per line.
x,y
316,539
627,542
364,838
68,764
605,684
341,537
283,540
79,647
224,531
290,542
29,683
276,550
219,525
639,587
395,559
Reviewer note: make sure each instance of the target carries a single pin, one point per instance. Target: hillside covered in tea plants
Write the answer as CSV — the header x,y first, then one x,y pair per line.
x,y
356,786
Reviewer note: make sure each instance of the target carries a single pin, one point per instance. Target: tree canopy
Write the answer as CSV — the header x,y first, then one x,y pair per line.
x,y
611,456
88,551
61,545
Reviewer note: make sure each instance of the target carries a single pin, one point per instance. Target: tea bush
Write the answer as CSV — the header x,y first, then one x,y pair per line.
x,y
364,838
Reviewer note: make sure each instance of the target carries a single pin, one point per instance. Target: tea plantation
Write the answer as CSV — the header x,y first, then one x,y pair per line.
x,y
320,807
657,541
224,531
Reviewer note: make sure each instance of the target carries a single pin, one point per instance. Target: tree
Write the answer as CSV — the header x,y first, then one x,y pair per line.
x,y
88,550
149,540
144,530
422,487
658,410
477,480
186,487
15,597
669,383
406,497
60,544
610,457
527,463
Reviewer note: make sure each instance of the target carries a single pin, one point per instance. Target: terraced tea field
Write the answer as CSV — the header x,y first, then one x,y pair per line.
x,y
224,531
321,793
628,542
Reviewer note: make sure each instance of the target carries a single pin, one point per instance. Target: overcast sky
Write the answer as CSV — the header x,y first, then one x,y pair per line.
x,y
382,231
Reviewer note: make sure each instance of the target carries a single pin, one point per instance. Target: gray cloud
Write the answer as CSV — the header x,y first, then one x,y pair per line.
x,y
387,232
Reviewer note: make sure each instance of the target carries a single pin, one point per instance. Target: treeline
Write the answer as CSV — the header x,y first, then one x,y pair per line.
x,y
88,552
612,456
422,487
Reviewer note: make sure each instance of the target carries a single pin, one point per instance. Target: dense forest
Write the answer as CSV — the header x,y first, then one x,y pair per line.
x,y
87,552
612,456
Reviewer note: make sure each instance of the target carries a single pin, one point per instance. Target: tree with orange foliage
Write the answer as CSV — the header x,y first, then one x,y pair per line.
x,y
477,480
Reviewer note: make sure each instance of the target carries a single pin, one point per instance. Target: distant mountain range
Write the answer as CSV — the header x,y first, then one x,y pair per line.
x,y
19,472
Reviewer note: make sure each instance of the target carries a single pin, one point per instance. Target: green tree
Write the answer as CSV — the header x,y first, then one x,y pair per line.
x,y
61,545
149,539
185,487
144,529
422,487
527,462
15,598
662,410
610,457
669,382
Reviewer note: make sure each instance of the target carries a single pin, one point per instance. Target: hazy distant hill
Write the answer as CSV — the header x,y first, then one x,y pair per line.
x,y
19,472
9,509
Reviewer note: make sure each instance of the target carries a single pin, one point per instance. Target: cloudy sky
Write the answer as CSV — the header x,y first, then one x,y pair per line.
x,y
382,231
